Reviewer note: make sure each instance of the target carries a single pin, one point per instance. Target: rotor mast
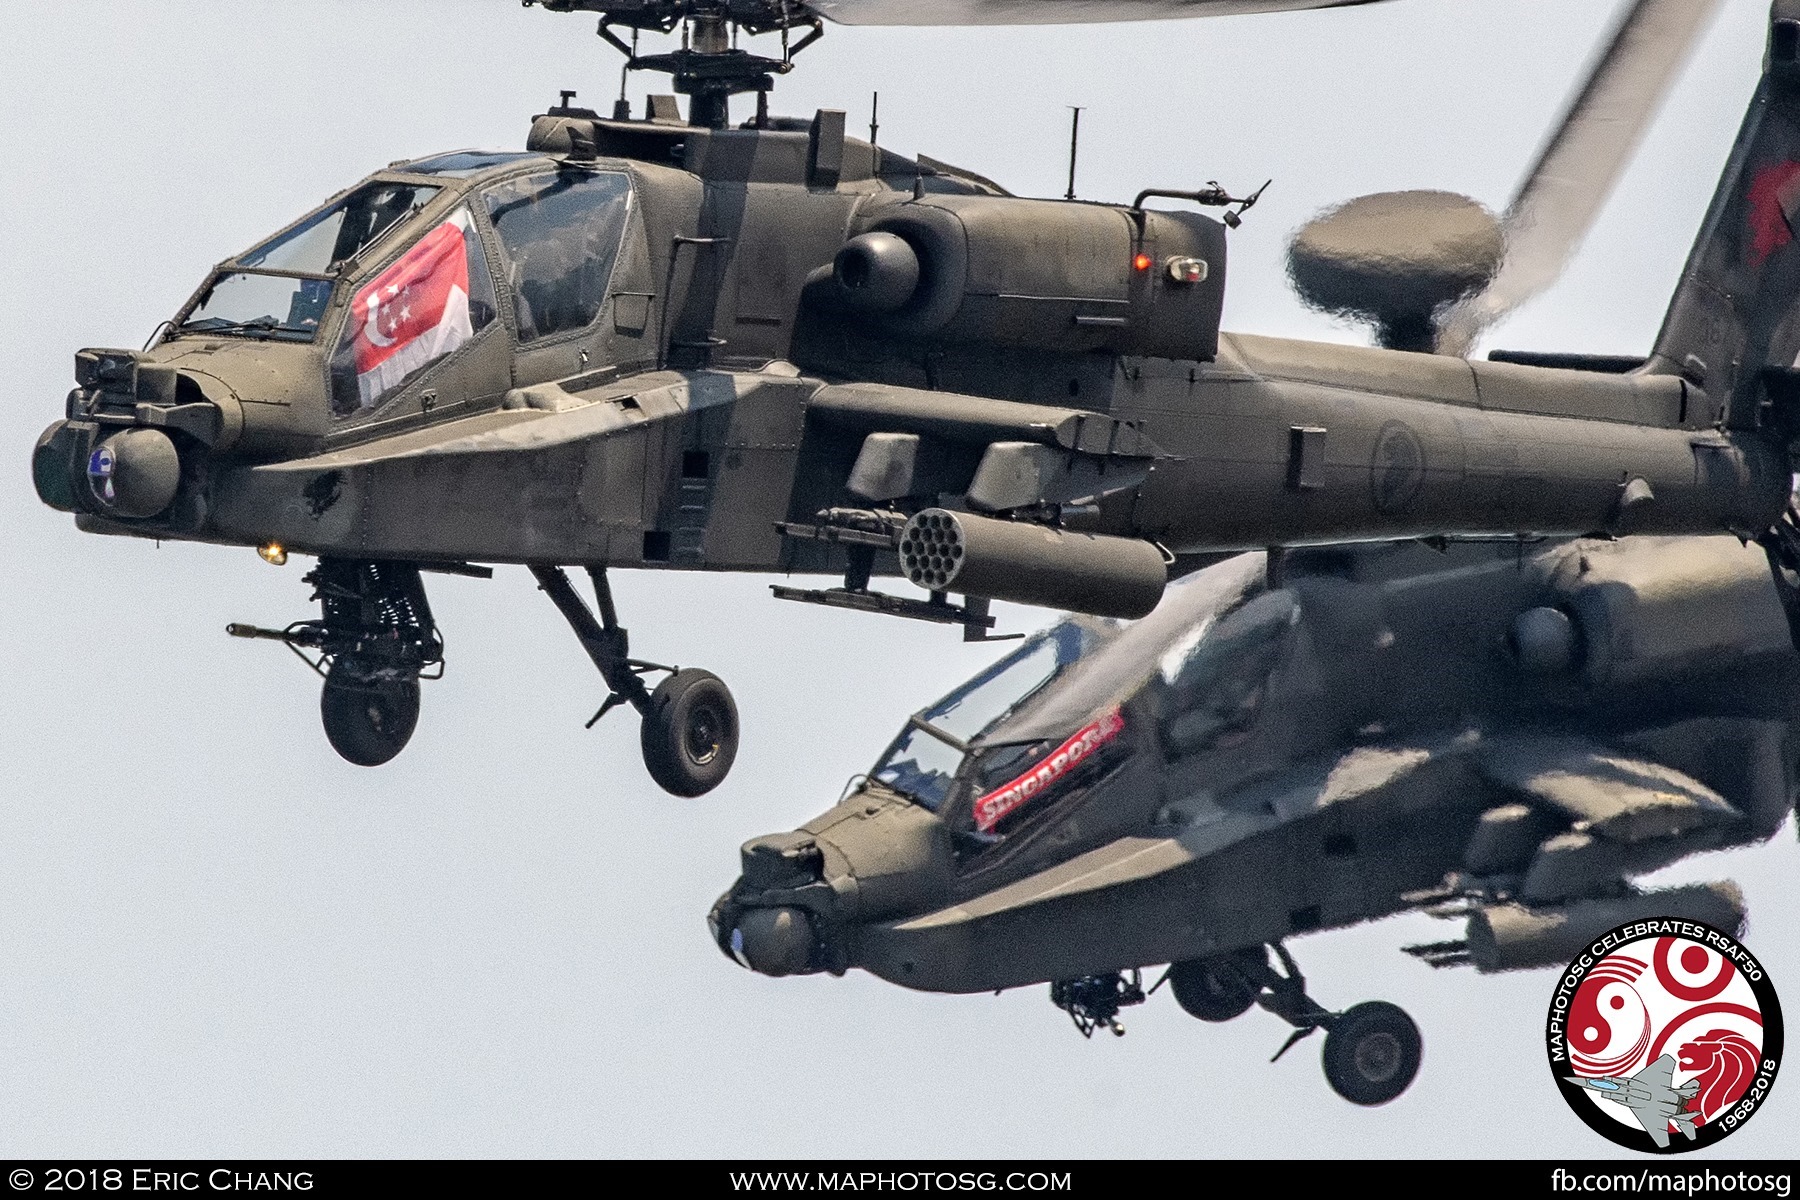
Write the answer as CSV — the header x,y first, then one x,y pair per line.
x,y
708,68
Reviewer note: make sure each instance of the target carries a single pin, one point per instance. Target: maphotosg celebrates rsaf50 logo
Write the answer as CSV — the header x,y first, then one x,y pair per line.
x,y
1665,1035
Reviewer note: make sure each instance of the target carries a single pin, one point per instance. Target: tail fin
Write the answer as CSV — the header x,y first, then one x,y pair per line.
x,y
1734,325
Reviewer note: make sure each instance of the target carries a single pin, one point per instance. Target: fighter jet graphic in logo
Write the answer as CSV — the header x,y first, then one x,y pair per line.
x,y
1652,1098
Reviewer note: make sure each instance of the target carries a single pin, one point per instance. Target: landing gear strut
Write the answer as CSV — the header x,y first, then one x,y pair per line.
x,y
690,723
1372,1050
374,641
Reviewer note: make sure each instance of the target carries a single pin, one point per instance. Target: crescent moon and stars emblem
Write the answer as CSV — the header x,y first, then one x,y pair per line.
x,y
389,309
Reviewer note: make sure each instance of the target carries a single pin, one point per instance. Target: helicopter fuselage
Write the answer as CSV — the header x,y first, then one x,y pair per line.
x,y
730,381
1508,736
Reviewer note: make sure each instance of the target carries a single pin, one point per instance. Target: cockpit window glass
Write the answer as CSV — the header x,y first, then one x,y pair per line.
x,y
1203,656
1215,679
282,308
429,302
266,292
460,164
334,235
1122,667
1012,782
923,766
991,695
920,766
559,234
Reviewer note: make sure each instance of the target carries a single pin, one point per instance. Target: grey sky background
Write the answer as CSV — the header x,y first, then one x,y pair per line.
x,y
216,938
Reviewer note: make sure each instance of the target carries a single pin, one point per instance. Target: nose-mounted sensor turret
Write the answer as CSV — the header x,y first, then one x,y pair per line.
x,y
118,453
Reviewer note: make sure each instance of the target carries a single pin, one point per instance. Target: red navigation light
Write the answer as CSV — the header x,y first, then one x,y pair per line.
x,y
1140,262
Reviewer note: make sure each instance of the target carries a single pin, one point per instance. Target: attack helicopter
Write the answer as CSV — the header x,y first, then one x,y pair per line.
x,y
656,342
1293,743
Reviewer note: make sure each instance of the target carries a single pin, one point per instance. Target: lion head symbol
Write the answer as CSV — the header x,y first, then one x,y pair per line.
x,y
1726,1063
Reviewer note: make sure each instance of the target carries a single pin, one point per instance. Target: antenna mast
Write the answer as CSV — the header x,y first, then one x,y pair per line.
x,y
1074,144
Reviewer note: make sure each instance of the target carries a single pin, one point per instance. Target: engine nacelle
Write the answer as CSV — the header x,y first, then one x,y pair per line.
x,y
1643,610
1039,274
945,551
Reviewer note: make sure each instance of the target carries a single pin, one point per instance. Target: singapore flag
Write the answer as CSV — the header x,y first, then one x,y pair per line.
x,y
413,313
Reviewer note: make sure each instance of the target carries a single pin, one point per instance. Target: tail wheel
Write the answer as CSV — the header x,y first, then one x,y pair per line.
x,y
1372,1053
690,734
1212,989
368,721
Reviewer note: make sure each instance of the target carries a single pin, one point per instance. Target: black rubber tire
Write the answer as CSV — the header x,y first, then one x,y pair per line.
x,y
1372,1053
690,734
368,723
1213,989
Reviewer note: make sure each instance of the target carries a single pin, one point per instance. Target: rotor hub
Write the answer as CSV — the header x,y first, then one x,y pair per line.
x,y
708,68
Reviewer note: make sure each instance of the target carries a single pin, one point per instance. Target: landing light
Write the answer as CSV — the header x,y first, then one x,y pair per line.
x,y
1183,269
273,553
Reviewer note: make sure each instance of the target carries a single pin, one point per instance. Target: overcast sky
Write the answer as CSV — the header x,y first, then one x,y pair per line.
x,y
216,938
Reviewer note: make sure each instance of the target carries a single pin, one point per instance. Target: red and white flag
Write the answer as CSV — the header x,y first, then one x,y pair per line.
x,y
413,313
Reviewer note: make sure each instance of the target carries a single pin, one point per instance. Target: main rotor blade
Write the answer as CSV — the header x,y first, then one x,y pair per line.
x,y
1047,12
1580,164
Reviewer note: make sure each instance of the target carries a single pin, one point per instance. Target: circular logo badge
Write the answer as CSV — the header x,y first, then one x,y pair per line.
x,y
1397,468
1665,1035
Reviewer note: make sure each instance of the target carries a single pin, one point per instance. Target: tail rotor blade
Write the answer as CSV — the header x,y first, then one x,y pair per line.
x,y
1580,164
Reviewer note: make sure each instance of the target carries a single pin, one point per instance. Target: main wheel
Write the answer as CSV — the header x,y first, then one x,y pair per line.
x,y
1372,1053
690,734
368,721
1213,989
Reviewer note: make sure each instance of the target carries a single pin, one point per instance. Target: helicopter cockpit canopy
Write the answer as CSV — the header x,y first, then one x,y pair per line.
x,y
923,761
1189,678
555,236
278,290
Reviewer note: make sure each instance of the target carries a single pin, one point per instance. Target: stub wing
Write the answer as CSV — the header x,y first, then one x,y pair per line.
x,y
1622,798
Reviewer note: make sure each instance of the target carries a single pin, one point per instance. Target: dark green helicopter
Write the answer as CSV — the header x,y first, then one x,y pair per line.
x,y
1296,743
650,342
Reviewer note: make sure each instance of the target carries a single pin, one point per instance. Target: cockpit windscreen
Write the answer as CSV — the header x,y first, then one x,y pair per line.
x,y
334,235
923,760
279,289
